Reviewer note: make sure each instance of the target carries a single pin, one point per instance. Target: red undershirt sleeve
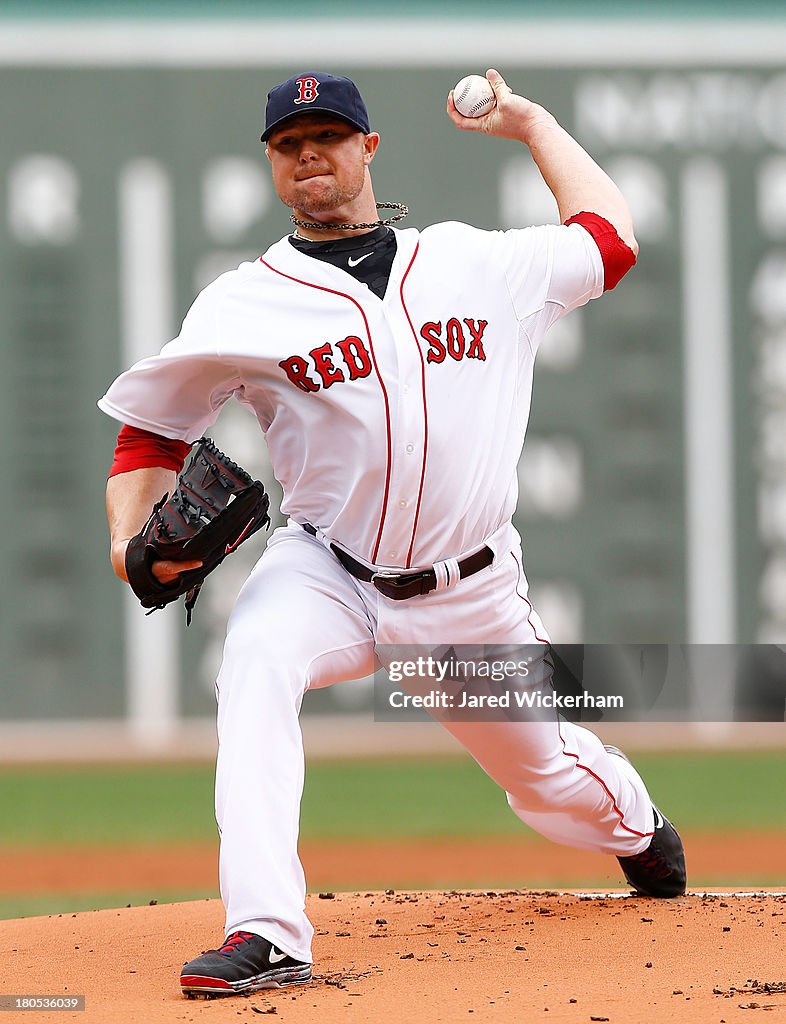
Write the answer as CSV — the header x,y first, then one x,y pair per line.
x,y
617,256
141,449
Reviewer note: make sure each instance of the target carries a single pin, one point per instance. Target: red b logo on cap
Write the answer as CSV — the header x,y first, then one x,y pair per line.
x,y
307,90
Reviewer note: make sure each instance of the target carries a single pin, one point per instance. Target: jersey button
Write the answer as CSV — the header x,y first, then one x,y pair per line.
x,y
403,503
410,448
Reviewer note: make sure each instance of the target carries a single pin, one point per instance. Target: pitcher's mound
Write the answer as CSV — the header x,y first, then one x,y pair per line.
x,y
428,956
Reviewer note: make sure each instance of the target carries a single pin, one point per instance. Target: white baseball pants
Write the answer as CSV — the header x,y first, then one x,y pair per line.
x,y
302,621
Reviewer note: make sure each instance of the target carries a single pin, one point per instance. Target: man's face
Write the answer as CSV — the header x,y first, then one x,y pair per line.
x,y
319,162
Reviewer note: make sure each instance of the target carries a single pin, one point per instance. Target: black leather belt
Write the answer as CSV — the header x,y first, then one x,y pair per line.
x,y
400,586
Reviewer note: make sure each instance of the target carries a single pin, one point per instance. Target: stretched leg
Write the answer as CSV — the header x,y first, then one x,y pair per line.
x,y
560,780
558,777
298,622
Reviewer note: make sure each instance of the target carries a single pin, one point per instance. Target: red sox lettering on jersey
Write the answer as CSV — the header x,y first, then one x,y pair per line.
x,y
322,359
453,340
367,413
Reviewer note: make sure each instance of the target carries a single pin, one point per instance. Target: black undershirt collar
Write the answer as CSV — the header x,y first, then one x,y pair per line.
x,y
368,258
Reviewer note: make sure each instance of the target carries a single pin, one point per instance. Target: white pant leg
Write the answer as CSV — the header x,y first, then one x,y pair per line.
x,y
560,780
558,777
602,803
298,621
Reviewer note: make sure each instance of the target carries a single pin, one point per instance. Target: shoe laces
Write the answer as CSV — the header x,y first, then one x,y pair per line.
x,y
653,861
233,941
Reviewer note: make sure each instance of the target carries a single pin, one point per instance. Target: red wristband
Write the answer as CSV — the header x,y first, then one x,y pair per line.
x,y
141,449
617,256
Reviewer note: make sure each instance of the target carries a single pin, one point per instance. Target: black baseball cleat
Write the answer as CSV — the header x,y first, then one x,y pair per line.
x,y
659,870
245,963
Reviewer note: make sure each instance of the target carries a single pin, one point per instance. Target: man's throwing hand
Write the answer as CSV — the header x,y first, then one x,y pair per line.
x,y
513,117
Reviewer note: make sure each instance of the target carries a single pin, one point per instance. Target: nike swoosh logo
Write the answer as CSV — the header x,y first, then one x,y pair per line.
x,y
354,262
658,818
231,547
274,957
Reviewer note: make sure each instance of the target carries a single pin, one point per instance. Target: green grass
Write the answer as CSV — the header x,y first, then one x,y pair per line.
x,y
718,791
12,907
106,805
148,804
375,798
454,797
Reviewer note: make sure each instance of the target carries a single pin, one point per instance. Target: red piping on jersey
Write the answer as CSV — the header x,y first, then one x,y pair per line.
x,y
343,295
599,780
425,408
565,751
527,601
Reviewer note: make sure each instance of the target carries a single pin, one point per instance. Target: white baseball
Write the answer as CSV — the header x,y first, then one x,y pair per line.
x,y
473,96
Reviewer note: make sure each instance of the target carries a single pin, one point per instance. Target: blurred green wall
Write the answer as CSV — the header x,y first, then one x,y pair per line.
x,y
603,480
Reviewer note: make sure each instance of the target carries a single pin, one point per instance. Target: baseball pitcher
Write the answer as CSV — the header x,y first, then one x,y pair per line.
x,y
390,371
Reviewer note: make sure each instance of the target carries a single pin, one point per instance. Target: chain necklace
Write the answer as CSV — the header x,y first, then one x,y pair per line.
x,y
313,225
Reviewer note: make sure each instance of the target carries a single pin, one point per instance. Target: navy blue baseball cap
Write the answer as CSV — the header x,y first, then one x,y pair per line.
x,y
315,92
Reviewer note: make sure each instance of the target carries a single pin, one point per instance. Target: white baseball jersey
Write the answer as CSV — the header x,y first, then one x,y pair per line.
x,y
394,425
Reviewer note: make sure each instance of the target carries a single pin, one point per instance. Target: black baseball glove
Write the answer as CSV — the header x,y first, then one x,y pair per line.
x,y
215,507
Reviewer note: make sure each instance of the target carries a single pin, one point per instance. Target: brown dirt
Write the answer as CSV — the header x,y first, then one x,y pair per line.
x,y
746,858
430,957
504,956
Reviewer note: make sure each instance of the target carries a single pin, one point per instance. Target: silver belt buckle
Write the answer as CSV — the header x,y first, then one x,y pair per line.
x,y
384,576
400,586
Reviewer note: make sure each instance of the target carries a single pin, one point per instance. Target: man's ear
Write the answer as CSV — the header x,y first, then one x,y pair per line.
x,y
370,144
